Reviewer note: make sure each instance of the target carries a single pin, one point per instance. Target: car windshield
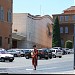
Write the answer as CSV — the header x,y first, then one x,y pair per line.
x,y
27,51
57,48
49,51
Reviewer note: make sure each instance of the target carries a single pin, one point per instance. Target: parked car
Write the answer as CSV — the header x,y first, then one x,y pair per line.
x,y
5,56
27,53
14,52
49,53
21,51
42,53
56,53
71,51
67,50
64,51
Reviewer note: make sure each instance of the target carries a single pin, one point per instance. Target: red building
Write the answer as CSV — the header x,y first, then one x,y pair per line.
x,y
66,21
6,23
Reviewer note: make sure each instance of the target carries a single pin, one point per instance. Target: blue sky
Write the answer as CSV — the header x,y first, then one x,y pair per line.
x,y
41,7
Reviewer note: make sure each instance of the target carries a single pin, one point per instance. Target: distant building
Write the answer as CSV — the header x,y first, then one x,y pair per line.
x,y
28,30
6,23
66,21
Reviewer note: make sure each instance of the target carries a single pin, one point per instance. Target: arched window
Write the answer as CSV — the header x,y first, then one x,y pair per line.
x,y
9,16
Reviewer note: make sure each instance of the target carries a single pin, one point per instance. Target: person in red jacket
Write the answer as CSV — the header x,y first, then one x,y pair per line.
x,y
34,57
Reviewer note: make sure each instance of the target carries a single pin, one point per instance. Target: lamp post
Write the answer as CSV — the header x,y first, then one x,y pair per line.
x,y
74,46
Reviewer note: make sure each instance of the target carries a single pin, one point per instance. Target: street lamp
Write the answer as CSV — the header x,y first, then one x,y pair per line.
x,y
74,46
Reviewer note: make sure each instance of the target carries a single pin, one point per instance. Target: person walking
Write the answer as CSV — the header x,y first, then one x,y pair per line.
x,y
34,57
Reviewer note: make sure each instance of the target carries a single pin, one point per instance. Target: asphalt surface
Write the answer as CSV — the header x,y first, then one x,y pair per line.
x,y
20,65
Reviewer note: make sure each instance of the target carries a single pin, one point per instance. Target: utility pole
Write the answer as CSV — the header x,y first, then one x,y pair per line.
x,y
74,46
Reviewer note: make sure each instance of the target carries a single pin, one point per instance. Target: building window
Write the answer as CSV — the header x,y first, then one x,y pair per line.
x,y
9,16
74,17
1,13
66,29
61,29
61,18
66,18
0,41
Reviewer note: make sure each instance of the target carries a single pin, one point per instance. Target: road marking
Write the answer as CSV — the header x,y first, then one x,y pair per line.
x,y
29,69
43,68
46,68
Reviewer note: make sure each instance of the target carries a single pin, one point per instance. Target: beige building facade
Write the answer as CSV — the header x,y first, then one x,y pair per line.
x,y
28,30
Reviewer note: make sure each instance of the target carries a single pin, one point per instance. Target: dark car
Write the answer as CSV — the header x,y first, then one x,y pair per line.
x,y
27,54
42,53
49,53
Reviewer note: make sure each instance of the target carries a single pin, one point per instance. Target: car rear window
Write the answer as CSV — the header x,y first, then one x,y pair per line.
x,y
39,50
58,51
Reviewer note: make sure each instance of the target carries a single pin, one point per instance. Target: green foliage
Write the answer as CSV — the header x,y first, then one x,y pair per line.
x,y
69,44
56,39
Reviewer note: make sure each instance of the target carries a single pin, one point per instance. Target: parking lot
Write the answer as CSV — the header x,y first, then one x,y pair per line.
x,y
24,66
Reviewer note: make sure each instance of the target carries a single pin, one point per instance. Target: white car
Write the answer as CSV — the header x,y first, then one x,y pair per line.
x,y
56,53
14,52
71,51
5,56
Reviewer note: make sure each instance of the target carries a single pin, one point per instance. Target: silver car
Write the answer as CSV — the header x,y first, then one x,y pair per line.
x,y
56,53
14,52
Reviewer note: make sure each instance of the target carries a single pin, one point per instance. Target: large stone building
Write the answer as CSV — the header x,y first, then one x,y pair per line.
x,y
6,23
66,21
28,30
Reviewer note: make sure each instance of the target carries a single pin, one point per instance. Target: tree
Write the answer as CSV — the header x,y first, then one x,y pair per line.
x,y
56,39
69,44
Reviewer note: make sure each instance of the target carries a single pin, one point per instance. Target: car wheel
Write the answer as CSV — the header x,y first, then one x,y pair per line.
x,y
21,55
60,56
10,60
15,55
2,59
50,57
54,56
39,57
27,57
46,58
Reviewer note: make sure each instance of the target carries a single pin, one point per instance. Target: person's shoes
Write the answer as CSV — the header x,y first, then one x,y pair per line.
x,y
34,68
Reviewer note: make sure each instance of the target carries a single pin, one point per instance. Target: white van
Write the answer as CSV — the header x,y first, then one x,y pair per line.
x,y
56,53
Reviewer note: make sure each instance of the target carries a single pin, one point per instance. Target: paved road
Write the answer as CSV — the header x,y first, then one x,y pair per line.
x,y
24,66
